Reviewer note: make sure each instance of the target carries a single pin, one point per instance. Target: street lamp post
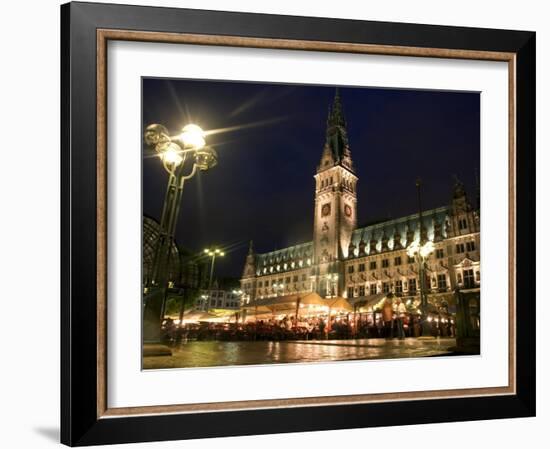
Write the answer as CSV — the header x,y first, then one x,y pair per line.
x,y
421,253
238,293
212,253
174,152
421,229
205,299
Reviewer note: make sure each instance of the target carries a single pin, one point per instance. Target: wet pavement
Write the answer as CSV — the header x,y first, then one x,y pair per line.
x,y
224,353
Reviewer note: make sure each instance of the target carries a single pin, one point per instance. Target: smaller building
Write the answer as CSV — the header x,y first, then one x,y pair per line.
x,y
218,298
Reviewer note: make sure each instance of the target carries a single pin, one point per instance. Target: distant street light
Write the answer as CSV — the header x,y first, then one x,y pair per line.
x,y
213,253
174,152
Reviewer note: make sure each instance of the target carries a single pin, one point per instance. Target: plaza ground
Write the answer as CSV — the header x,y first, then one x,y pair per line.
x,y
224,353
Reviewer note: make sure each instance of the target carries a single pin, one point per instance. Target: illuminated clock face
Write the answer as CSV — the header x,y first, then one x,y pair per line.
x,y
347,210
325,210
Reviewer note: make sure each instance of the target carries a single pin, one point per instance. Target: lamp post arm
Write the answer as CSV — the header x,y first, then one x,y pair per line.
x,y
189,176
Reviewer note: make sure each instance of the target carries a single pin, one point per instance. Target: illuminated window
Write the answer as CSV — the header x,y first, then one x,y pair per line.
x,y
398,286
442,282
412,286
468,278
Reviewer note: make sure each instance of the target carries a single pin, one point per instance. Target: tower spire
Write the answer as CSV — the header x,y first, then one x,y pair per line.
x,y
336,117
336,149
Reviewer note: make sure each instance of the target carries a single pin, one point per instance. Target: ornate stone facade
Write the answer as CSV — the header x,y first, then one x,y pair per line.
x,y
343,260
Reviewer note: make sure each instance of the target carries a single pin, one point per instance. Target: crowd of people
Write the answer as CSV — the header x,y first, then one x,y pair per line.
x,y
393,320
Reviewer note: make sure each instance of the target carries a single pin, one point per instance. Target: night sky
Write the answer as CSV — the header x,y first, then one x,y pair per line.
x,y
263,187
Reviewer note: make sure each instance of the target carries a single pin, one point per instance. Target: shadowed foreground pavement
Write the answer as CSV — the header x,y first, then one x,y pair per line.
x,y
223,353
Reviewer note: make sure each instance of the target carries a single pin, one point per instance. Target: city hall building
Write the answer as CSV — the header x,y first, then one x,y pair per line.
x,y
343,260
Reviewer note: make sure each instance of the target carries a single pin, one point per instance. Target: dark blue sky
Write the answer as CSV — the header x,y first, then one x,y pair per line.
x,y
263,188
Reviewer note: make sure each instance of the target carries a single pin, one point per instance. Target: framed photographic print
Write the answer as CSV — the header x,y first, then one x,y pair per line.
x,y
278,224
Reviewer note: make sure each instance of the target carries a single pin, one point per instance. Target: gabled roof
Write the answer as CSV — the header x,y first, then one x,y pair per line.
x,y
399,227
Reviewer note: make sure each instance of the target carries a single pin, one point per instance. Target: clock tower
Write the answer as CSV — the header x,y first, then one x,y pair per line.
x,y
335,204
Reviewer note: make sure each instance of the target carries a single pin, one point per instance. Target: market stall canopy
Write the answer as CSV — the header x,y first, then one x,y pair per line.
x,y
196,316
338,303
283,302
290,302
367,301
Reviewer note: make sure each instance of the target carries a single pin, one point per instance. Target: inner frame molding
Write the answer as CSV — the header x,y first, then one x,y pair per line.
x,y
105,35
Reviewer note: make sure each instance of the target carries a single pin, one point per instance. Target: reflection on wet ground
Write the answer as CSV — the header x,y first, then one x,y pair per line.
x,y
223,353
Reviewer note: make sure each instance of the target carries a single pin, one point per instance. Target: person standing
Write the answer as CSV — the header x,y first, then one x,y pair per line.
x,y
322,328
387,316
400,312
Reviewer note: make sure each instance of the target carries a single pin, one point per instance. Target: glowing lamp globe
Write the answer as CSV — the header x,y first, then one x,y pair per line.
x,y
192,136
206,158
172,155
412,249
427,249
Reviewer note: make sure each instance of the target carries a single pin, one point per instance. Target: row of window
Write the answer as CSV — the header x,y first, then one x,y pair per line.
x,y
287,288
326,182
285,266
329,181
287,280
373,265
397,261
386,287
220,294
220,303
467,279
465,247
